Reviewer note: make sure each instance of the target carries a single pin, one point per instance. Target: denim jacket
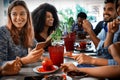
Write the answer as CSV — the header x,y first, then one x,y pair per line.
x,y
104,51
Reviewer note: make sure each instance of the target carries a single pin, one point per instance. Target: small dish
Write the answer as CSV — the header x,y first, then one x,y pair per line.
x,y
46,72
76,75
33,77
79,49
83,50
57,77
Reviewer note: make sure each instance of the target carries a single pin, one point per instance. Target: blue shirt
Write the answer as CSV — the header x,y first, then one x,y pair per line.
x,y
104,51
76,28
8,49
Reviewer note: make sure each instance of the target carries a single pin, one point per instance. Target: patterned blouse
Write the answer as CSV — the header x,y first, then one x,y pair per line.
x,y
8,49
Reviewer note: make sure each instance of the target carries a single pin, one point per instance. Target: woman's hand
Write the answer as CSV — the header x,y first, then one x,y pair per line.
x,y
66,67
11,67
33,56
83,59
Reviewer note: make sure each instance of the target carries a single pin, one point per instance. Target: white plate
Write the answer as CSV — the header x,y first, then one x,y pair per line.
x,y
36,70
68,78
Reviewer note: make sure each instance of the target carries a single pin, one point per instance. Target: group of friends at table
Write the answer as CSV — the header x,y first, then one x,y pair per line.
x,y
18,39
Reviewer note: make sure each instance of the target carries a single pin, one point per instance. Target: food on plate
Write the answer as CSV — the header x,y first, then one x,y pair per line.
x,y
47,65
56,77
75,74
82,44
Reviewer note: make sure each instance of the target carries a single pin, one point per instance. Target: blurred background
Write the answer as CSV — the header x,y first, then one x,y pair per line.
x,y
67,9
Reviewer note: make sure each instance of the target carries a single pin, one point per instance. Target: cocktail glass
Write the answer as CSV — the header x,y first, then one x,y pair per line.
x,y
56,54
69,41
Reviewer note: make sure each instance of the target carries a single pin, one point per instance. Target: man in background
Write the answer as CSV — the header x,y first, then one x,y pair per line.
x,y
77,26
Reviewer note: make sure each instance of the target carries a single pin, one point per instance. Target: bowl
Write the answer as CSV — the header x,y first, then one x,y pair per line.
x,y
56,77
76,75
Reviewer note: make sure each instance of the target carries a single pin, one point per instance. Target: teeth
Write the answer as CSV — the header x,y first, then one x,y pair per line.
x,y
106,15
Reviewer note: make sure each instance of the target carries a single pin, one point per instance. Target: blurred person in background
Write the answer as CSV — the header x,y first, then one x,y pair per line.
x,y
77,26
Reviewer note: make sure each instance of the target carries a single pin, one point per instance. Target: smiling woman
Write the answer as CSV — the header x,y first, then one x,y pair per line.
x,y
45,21
17,36
19,17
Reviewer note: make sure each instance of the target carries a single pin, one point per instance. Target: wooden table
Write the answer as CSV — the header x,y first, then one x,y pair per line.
x,y
27,70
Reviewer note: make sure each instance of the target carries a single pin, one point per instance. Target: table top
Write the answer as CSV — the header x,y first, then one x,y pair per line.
x,y
27,70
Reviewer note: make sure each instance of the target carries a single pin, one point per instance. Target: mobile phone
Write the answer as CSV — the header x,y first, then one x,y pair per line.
x,y
40,45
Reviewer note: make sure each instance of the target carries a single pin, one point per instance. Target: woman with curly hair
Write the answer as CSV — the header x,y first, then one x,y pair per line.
x,y
45,21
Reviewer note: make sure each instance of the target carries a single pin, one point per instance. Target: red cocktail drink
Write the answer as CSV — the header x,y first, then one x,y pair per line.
x,y
69,41
83,44
56,54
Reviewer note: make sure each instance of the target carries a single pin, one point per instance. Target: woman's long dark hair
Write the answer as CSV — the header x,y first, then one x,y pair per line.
x,y
39,16
26,35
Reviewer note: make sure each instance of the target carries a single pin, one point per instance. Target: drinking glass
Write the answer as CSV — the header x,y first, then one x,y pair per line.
x,y
56,54
69,41
83,44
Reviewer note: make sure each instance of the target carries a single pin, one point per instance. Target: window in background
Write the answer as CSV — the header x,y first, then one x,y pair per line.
x,y
68,9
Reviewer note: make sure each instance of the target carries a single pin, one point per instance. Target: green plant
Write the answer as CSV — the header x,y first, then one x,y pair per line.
x,y
67,17
56,36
